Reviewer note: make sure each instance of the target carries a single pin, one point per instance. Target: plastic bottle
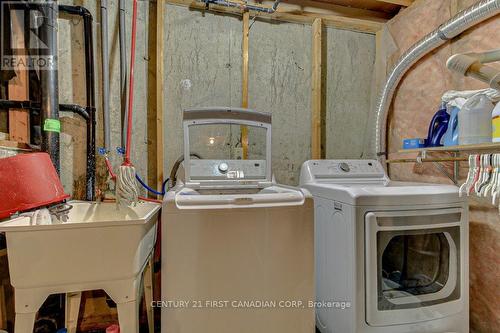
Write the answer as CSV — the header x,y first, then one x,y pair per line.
x,y
495,124
474,120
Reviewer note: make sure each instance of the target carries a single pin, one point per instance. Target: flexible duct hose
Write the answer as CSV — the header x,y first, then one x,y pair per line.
x,y
464,20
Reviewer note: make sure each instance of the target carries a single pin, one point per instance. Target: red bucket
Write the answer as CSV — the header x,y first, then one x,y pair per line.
x,y
28,181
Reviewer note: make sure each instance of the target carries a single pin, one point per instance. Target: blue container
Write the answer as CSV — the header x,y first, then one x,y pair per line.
x,y
451,135
437,127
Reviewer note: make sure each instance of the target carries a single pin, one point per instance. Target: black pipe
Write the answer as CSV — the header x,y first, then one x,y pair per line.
x,y
49,84
35,106
76,109
90,92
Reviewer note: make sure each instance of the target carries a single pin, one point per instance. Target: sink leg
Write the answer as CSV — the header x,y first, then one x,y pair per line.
x,y
72,309
128,317
24,322
148,293
27,303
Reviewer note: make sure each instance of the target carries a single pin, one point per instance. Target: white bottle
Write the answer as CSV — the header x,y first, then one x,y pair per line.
x,y
474,121
495,124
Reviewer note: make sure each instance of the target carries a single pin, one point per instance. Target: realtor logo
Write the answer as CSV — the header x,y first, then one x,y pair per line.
x,y
22,45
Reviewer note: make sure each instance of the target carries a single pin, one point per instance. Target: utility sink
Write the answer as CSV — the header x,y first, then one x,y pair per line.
x,y
93,243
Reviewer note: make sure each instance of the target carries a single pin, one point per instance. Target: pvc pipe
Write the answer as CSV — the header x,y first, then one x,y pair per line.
x,y
459,23
105,74
489,56
471,64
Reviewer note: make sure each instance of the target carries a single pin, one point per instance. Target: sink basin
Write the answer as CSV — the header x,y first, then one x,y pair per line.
x,y
97,242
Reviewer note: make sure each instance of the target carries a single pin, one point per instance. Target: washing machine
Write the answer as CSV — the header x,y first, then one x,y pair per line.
x,y
391,257
237,248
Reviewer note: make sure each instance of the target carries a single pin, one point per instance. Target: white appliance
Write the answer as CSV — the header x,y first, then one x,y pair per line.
x,y
390,256
237,248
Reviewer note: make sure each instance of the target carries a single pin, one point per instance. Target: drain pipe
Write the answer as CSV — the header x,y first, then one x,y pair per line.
x,y
244,6
464,20
89,92
49,84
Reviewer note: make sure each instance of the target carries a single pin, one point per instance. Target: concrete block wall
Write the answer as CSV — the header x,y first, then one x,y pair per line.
x,y
203,68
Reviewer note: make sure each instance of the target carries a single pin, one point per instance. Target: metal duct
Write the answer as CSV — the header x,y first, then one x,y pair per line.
x,y
464,20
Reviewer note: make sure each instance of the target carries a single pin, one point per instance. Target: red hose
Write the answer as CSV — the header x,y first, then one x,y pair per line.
x,y
131,86
110,168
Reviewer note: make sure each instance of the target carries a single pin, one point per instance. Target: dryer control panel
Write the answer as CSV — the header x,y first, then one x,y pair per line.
x,y
317,170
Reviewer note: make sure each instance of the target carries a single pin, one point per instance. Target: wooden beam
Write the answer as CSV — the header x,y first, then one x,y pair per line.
x,y
160,77
244,79
405,3
327,8
18,89
316,89
329,19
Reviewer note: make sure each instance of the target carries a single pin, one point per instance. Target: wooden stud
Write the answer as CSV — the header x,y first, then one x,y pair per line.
x,y
330,19
18,90
244,76
316,89
160,77
3,307
72,310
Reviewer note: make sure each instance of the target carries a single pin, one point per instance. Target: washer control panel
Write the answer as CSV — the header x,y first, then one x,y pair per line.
x,y
335,169
228,169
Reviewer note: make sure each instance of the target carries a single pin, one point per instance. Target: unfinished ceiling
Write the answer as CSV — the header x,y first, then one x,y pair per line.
x,y
376,9
387,6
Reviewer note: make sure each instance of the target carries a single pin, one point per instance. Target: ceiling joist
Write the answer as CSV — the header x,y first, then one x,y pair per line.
x,y
295,14
405,3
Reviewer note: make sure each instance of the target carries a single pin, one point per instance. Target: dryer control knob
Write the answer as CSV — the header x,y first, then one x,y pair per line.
x,y
344,167
223,167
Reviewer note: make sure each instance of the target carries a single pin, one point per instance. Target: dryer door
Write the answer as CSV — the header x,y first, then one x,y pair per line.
x,y
413,265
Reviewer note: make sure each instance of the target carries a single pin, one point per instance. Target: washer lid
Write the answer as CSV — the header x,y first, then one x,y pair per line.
x,y
233,146
387,194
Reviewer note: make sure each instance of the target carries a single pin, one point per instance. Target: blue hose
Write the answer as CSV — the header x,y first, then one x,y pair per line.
x,y
163,187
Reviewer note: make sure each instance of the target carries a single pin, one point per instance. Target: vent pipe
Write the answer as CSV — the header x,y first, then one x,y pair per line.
x,y
49,85
464,20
